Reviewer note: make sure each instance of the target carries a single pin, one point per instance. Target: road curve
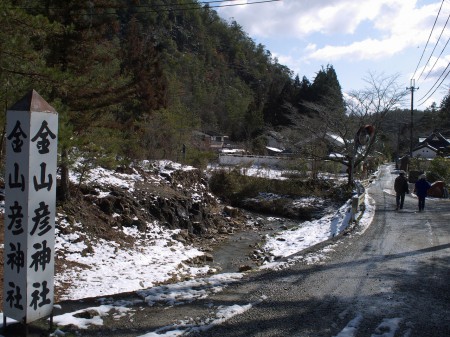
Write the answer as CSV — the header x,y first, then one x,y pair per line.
x,y
393,279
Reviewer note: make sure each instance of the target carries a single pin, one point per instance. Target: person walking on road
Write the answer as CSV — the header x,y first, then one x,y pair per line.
x,y
401,188
421,189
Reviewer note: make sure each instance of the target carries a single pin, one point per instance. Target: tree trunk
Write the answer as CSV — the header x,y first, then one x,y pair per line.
x,y
351,173
64,193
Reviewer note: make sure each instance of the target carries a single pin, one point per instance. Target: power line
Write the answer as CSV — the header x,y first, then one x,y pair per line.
x,y
448,65
137,5
437,86
434,24
217,6
423,97
437,59
163,7
442,31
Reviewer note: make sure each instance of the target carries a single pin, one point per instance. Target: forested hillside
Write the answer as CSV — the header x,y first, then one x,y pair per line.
x,y
135,78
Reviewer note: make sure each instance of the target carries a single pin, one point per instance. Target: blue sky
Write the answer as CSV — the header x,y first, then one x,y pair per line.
x,y
384,37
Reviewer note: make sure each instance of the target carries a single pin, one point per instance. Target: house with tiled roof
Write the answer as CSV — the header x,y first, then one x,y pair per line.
x,y
433,145
424,150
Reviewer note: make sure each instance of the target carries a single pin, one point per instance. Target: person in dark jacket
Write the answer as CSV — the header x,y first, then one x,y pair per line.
x,y
401,188
421,188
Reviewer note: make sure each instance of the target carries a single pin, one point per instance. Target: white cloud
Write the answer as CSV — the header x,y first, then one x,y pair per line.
x,y
341,28
300,18
434,68
398,26
367,49
283,59
311,47
341,17
386,36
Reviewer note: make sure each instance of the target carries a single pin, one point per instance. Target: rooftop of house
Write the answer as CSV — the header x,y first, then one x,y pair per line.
x,y
435,140
425,144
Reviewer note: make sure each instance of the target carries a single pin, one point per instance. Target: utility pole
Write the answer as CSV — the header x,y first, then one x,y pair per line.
x,y
412,88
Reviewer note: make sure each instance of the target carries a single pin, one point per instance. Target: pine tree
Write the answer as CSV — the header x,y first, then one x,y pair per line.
x,y
444,112
22,54
326,89
141,59
92,85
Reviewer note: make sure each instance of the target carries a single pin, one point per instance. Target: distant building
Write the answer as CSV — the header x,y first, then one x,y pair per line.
x,y
424,150
212,140
433,145
331,140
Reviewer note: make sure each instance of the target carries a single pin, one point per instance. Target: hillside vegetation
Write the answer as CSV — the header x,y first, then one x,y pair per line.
x,y
135,80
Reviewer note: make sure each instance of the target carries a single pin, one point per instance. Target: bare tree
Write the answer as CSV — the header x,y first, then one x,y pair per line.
x,y
347,135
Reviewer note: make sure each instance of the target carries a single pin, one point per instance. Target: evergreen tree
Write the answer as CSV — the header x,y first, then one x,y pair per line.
x,y
326,88
444,112
22,55
92,85
142,61
430,119
304,88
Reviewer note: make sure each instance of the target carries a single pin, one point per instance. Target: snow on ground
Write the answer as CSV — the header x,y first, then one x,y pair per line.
x,y
309,233
187,326
113,270
188,291
387,328
103,176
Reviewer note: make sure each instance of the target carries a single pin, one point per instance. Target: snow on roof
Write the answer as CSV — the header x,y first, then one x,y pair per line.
x,y
335,137
436,140
329,136
274,149
336,155
425,145
232,150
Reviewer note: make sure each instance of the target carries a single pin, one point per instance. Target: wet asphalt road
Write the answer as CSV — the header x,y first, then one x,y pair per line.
x,y
393,279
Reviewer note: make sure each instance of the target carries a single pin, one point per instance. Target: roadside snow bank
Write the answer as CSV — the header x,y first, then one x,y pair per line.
x,y
308,233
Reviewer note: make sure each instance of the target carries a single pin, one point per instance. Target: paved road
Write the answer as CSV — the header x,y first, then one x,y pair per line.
x,y
391,280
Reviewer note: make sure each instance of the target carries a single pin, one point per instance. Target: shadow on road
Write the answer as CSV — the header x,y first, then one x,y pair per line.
x,y
420,301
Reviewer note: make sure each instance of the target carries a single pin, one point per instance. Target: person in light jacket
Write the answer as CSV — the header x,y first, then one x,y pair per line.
x,y
421,189
401,188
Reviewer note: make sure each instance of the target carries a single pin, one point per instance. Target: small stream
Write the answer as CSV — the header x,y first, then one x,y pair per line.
x,y
237,250
243,249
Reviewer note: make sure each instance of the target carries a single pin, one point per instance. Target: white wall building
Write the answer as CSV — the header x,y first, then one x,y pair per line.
x,y
424,151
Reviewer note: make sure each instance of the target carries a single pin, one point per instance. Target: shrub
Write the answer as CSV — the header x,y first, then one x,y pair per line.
x,y
440,169
235,187
199,159
224,184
